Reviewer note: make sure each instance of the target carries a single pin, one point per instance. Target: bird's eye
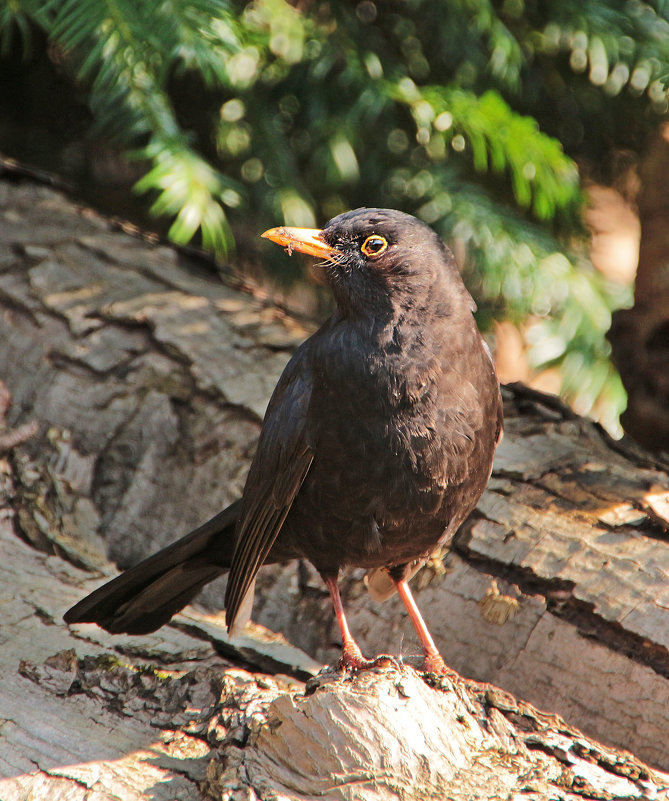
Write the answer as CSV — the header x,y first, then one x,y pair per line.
x,y
374,245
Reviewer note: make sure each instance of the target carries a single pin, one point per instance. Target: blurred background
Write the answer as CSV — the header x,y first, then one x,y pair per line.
x,y
531,135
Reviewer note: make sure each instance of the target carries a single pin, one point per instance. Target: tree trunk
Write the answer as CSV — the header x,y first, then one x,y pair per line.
x,y
147,378
640,335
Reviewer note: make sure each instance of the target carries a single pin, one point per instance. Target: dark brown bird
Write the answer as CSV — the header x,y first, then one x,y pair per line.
x,y
377,443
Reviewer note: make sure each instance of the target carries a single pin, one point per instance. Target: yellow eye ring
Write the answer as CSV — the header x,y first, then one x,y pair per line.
x,y
374,246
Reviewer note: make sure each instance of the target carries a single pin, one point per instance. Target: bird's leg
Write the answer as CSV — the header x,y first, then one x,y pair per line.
x,y
434,662
351,655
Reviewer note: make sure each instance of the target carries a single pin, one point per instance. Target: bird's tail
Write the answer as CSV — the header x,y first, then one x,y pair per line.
x,y
145,597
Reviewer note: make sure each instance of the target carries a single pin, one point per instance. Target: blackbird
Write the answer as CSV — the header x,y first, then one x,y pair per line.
x,y
377,442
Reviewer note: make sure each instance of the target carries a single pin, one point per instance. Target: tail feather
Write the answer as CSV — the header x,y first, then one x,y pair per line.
x,y
147,595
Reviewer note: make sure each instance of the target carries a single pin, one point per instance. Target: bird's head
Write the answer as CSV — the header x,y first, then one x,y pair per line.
x,y
379,261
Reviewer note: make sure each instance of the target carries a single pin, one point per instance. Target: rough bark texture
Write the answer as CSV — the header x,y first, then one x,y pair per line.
x,y
640,335
146,380
164,717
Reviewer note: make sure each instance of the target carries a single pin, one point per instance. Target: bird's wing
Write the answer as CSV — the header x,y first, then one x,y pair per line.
x,y
282,460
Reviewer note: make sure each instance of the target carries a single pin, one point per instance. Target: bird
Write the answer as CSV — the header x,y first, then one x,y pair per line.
x,y
377,442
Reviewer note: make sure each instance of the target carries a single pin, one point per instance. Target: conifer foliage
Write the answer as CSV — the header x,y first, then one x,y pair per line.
x,y
471,114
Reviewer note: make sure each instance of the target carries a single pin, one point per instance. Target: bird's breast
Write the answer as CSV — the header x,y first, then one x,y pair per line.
x,y
381,435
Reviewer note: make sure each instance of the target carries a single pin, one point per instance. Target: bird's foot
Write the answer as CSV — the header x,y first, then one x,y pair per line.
x,y
434,663
352,660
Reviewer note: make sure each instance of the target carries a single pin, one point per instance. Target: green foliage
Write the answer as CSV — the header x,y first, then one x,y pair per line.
x,y
541,176
469,113
124,51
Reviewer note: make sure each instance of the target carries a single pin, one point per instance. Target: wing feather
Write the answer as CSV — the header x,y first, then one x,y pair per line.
x,y
283,458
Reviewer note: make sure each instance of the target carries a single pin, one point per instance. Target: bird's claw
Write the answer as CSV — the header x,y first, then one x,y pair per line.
x,y
352,660
434,663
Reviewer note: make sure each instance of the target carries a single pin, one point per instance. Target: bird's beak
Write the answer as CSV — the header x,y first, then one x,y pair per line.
x,y
304,240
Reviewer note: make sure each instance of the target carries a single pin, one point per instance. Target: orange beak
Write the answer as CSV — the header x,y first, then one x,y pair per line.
x,y
303,240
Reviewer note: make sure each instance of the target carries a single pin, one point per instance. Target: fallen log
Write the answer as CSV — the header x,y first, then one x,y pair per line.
x,y
146,377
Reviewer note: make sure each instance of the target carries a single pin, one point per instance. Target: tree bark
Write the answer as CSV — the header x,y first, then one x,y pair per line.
x,y
147,378
164,717
640,335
